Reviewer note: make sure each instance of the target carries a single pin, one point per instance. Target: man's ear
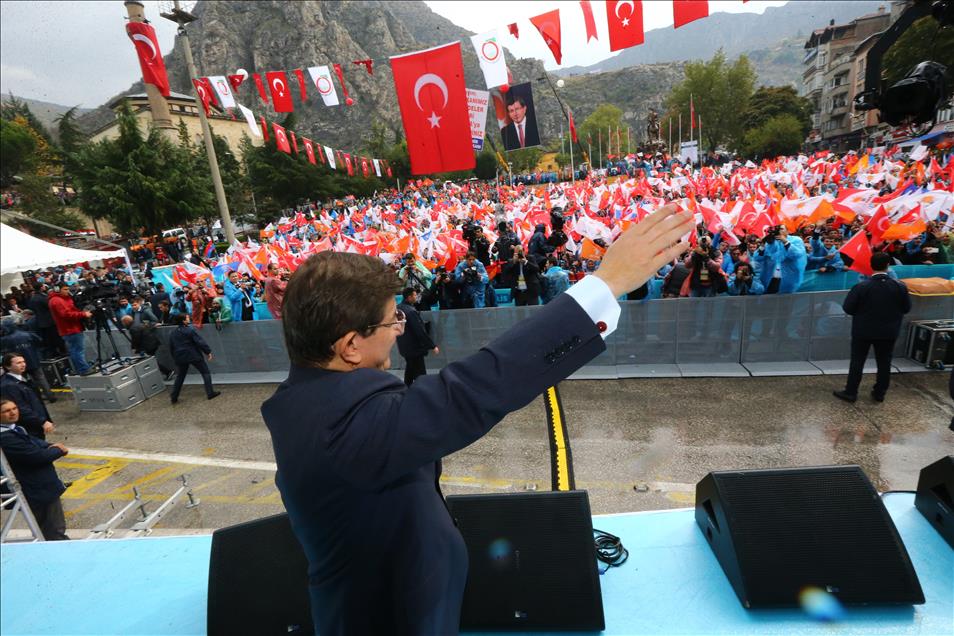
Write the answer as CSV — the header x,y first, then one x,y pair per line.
x,y
346,349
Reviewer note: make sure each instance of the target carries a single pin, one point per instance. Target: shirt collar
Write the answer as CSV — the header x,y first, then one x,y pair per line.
x,y
16,375
8,427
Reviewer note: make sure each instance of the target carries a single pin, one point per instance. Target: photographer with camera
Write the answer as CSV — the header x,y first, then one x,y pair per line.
x,y
706,278
524,277
144,340
472,275
479,244
782,259
69,325
413,274
538,248
743,282
507,241
444,291
237,296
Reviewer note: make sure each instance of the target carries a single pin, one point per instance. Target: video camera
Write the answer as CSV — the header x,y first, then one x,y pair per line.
x,y
471,275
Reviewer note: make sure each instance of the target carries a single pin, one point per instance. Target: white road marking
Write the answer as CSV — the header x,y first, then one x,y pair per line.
x,y
191,460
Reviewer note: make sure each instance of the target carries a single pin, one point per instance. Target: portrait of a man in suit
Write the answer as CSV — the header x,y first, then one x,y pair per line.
x,y
521,128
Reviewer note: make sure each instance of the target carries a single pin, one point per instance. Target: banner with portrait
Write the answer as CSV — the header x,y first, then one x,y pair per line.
x,y
516,117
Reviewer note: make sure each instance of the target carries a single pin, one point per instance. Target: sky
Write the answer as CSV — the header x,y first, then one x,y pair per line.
x,y
77,53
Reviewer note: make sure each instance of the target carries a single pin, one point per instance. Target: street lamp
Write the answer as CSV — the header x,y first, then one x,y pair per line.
x,y
566,115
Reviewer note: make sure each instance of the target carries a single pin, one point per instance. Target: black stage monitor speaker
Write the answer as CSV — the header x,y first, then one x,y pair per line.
x,y
258,580
935,496
532,562
778,532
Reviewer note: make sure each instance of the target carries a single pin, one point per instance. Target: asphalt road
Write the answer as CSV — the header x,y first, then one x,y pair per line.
x,y
636,444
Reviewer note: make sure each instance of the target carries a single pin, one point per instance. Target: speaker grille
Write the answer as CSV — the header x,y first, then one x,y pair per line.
x,y
821,527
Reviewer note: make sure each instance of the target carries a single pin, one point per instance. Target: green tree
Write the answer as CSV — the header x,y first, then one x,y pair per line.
x,y
486,164
525,159
924,40
595,131
780,135
17,151
142,182
720,94
13,108
39,203
71,141
769,102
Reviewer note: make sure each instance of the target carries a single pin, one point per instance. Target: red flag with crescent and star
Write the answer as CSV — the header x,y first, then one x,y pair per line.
x,y
143,37
858,250
204,88
281,92
281,138
309,149
624,18
433,101
548,24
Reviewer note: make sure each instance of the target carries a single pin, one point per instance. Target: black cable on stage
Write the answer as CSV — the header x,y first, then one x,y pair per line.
x,y
609,549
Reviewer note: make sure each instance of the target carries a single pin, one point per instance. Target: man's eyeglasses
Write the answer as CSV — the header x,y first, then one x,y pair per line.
x,y
399,320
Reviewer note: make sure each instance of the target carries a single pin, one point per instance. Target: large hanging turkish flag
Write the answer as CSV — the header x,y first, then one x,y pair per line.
x,y
281,92
625,21
548,24
309,149
144,39
433,101
685,11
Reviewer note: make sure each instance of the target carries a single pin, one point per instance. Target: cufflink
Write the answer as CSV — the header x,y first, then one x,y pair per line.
x,y
601,326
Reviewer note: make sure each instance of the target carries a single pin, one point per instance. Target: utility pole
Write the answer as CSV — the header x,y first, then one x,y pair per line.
x,y
565,116
158,107
182,18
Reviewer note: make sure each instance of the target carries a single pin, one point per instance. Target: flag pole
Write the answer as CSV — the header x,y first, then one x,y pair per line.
x,y
679,143
692,118
700,140
599,142
182,18
670,135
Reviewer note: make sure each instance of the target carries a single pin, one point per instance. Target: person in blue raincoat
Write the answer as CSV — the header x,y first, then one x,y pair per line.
x,y
826,257
234,294
782,259
472,275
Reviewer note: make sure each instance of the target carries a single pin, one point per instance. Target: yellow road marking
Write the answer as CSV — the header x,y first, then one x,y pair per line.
x,y
87,482
152,477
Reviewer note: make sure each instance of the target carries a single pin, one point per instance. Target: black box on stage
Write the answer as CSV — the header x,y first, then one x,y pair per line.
x,y
931,342
935,496
258,580
55,370
532,562
778,532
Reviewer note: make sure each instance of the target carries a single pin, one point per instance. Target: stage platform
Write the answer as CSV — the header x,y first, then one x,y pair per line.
x,y
672,584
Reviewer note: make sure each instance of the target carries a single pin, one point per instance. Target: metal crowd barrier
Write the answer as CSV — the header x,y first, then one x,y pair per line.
x,y
739,329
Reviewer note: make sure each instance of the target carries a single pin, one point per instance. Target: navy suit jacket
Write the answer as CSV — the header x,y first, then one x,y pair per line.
x,y
877,307
32,410
357,457
186,345
32,462
415,342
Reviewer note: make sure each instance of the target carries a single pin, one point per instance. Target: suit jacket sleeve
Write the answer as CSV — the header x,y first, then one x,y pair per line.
x,y
416,326
200,342
27,452
396,430
850,306
905,299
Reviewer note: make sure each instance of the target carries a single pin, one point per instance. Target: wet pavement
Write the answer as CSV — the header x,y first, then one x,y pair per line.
x,y
636,444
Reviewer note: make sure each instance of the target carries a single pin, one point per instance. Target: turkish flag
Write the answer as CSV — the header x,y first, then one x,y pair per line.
x,y
685,11
387,167
878,223
264,128
433,101
548,24
625,22
236,81
309,149
514,30
281,93
261,88
859,251
349,165
143,37
761,224
281,138
364,167
294,142
301,85
573,134
913,215
204,88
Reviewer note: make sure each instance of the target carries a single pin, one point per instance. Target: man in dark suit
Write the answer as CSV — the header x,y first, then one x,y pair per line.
x,y
189,348
524,277
40,304
144,339
521,132
358,452
15,385
876,306
414,343
32,462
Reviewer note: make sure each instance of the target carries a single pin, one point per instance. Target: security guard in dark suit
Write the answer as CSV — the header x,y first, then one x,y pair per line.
x,y
415,343
876,306
358,452
32,460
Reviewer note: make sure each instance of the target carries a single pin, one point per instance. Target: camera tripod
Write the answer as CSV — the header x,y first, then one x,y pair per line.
x,y
102,317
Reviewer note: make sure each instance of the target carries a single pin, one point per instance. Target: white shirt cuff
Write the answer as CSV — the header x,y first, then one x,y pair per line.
x,y
596,299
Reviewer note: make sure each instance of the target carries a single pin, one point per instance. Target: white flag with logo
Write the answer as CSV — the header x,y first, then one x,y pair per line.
x,y
377,167
331,157
477,102
250,118
321,78
223,90
491,58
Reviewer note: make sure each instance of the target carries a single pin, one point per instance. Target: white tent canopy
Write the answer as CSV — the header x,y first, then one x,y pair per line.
x,y
20,252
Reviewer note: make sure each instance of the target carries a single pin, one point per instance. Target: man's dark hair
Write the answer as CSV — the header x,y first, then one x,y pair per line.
x,y
513,98
408,291
880,261
471,253
179,319
160,287
138,299
329,295
8,358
